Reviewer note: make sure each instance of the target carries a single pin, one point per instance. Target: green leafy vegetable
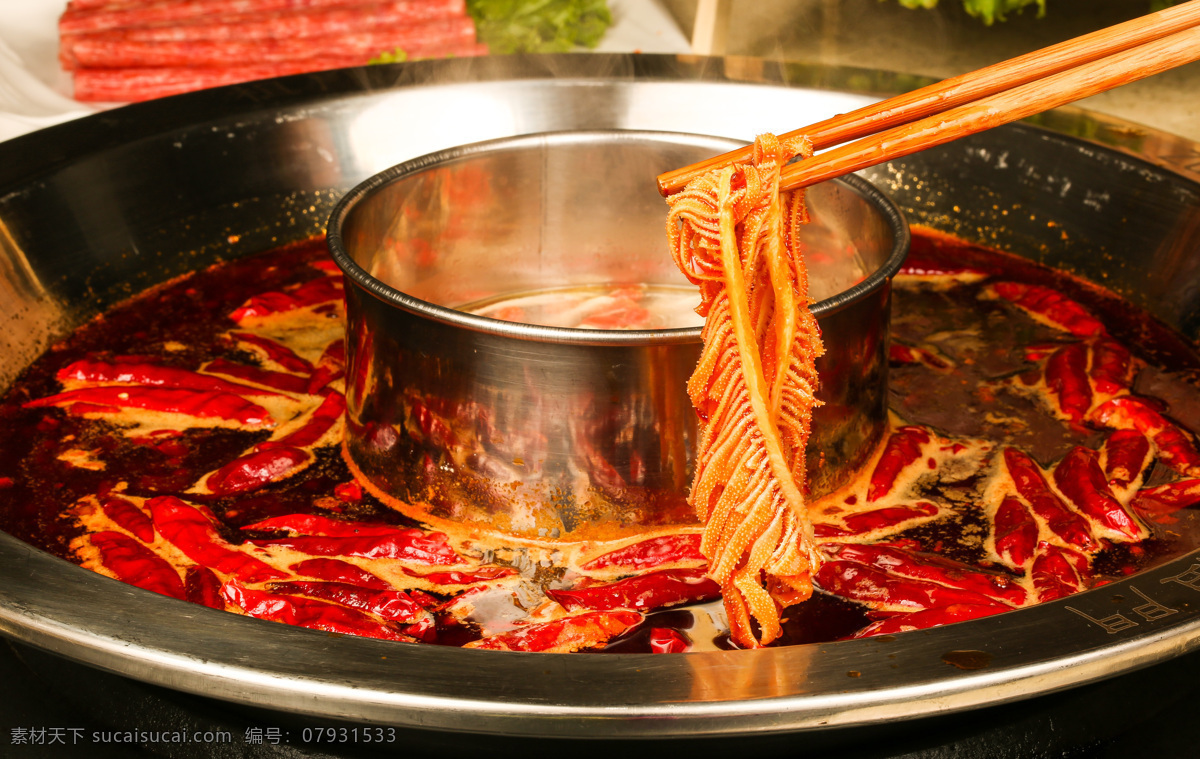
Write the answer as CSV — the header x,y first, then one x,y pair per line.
x,y
987,10
539,26
994,10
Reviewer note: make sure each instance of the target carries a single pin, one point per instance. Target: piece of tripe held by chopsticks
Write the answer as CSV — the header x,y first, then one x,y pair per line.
x,y
735,235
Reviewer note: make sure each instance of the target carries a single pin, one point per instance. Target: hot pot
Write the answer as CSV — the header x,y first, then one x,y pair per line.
x,y
563,433
95,210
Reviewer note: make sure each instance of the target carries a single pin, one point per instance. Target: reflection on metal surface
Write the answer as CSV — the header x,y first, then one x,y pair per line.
x,y
553,433
259,185
33,320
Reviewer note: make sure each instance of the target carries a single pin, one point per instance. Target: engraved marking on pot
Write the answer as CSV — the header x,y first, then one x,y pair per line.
x,y
1189,578
1114,623
1152,610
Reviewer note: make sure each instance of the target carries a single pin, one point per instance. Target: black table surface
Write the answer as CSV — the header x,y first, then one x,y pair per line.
x,y
51,707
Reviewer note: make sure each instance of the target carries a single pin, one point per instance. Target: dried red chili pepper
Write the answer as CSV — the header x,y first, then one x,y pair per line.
x,y
668,587
203,587
276,352
315,524
1163,500
1125,455
903,447
485,574
201,404
1079,477
1067,381
135,564
886,592
665,640
654,552
351,492
407,545
336,570
1111,367
925,566
1015,532
1175,447
564,635
394,605
328,413
308,612
1032,486
149,374
319,290
129,517
254,470
191,531
1050,307
288,383
862,522
1058,572
900,354
330,366
928,618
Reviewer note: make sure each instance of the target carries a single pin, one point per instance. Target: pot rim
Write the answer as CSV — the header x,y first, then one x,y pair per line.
x,y
891,213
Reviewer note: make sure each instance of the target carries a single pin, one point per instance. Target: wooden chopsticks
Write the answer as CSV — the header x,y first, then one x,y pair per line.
x,y
989,97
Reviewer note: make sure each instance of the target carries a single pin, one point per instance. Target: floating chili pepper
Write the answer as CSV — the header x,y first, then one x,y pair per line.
x,y
564,635
862,522
336,570
154,375
1175,447
254,470
1111,367
351,492
900,354
406,545
668,587
288,383
325,416
1079,477
276,352
885,592
308,612
129,517
1014,532
315,524
319,290
191,531
903,447
929,618
1126,454
201,404
925,566
1032,486
654,552
666,640
1162,500
135,564
394,605
330,366
1058,572
485,574
203,587
1067,381
1051,307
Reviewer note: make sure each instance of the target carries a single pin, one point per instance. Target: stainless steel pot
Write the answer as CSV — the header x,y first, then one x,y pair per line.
x,y
94,210
551,433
